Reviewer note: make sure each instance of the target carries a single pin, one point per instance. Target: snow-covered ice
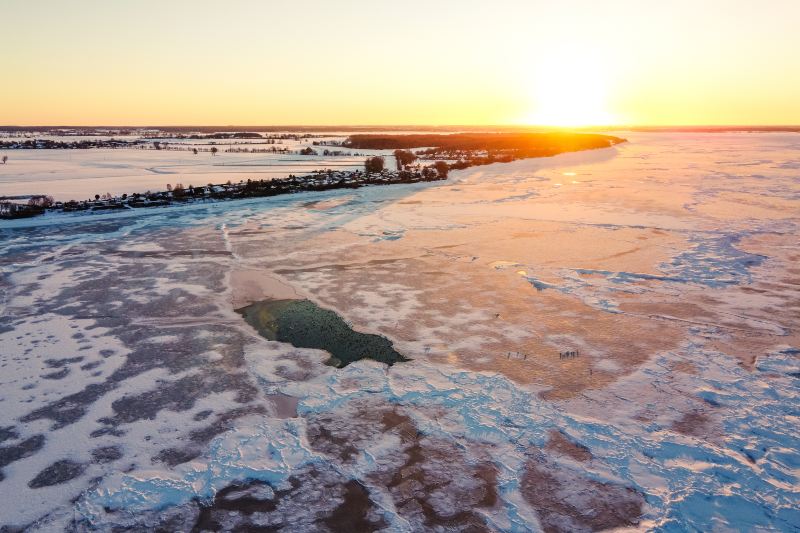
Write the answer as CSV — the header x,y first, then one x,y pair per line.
x,y
134,396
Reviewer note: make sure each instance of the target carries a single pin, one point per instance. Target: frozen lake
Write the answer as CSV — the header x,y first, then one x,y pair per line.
x,y
132,393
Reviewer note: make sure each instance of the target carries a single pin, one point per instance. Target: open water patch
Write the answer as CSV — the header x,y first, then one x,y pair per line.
x,y
304,324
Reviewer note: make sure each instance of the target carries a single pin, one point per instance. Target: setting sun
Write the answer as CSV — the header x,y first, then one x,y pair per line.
x,y
570,89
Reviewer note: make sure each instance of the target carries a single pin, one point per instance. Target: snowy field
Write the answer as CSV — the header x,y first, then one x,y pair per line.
x,y
80,174
133,395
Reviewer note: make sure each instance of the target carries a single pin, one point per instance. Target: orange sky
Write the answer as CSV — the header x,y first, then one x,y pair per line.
x,y
378,62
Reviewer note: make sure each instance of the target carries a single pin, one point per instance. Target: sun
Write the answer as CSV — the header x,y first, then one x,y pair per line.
x,y
570,88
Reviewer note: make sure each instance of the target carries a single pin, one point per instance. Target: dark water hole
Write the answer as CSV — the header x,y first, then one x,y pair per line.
x,y
304,324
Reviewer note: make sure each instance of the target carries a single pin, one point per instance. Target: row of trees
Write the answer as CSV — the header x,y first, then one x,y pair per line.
x,y
404,158
376,164
159,146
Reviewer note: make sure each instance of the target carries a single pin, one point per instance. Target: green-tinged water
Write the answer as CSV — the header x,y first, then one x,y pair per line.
x,y
303,324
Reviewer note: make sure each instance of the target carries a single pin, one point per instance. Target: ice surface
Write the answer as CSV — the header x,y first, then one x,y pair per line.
x,y
133,394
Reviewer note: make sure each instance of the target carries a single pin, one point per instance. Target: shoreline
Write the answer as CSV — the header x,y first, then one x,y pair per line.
x,y
317,182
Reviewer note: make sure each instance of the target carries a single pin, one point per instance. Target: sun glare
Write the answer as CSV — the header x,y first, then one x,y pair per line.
x,y
570,89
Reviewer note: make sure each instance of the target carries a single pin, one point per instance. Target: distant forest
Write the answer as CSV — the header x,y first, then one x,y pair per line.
x,y
523,144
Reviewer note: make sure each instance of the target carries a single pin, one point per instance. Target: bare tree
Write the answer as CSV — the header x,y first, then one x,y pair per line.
x,y
441,168
41,201
373,164
404,158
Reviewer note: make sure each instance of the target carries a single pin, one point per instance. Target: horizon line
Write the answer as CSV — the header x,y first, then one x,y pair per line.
x,y
409,126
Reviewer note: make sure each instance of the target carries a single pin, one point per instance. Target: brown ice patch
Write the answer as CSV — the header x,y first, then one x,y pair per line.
x,y
284,406
427,473
686,312
560,444
567,500
259,506
684,367
694,423
737,321
434,483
